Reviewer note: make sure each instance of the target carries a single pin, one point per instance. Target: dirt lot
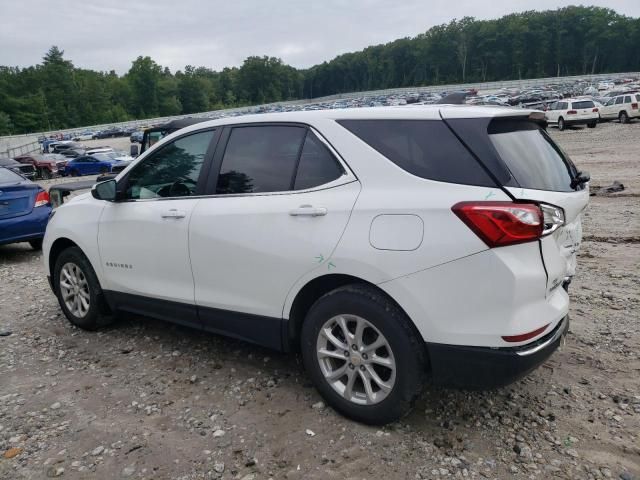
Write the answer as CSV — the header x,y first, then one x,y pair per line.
x,y
144,399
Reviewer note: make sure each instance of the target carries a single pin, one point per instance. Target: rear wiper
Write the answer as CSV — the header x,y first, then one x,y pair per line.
x,y
580,179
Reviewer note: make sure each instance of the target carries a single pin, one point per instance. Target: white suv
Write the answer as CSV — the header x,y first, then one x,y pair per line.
x,y
384,244
573,111
622,107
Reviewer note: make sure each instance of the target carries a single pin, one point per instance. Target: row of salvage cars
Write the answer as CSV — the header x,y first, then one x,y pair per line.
x,y
587,111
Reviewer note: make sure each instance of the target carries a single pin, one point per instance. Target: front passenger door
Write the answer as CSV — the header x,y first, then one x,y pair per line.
x,y
144,239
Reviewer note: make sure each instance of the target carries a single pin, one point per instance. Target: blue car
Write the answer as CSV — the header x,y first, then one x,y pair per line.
x,y
24,210
87,165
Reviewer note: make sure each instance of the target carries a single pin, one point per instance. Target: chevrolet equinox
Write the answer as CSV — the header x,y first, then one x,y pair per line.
x,y
385,244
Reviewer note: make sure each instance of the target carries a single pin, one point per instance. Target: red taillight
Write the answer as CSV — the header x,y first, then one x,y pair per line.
x,y
634,106
502,223
595,110
525,336
572,112
42,199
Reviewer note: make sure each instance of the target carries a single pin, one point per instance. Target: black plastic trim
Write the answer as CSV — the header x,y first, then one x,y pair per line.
x,y
258,329
479,368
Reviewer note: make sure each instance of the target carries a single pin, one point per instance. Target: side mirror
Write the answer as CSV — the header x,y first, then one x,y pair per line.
x,y
105,190
134,150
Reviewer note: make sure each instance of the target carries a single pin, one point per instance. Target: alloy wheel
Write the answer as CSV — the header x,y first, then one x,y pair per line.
x,y
74,289
356,359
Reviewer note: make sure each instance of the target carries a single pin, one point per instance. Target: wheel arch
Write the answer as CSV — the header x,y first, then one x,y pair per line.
x,y
311,292
57,247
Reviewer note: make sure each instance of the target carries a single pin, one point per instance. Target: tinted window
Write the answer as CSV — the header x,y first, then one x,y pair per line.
x,y
317,165
535,161
172,171
260,159
7,176
583,104
627,99
425,148
619,100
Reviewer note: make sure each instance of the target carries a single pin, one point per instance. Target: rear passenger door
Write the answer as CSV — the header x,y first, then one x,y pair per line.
x,y
278,201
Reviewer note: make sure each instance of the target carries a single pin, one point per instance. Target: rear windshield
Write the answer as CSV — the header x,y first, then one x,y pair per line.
x,y
7,176
425,148
583,104
535,161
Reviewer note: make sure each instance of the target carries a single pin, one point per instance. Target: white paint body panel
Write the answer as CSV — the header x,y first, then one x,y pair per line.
x,y
396,232
247,250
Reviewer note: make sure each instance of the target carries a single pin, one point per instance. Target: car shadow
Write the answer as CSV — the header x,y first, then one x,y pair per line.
x,y
17,253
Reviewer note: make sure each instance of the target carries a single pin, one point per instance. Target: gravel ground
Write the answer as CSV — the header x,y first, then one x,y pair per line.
x,y
144,399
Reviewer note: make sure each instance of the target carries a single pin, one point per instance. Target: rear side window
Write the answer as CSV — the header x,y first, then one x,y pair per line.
x,y
627,99
425,148
583,104
260,159
317,165
619,100
562,105
534,160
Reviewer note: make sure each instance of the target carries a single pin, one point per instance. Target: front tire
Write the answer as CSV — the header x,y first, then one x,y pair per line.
x,y
78,290
363,354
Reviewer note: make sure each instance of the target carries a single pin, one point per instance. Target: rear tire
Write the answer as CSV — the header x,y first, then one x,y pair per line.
x,y
74,173
36,244
78,290
592,125
561,125
623,117
394,370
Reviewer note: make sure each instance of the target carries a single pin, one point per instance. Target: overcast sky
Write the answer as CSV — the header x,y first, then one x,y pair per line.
x,y
110,34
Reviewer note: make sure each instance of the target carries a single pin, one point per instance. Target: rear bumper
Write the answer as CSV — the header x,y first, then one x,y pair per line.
x,y
580,121
484,367
25,227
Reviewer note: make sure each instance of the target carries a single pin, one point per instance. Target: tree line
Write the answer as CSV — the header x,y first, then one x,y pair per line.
x,y
569,41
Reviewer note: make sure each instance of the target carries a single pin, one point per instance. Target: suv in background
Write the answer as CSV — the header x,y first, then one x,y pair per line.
x,y
571,111
45,167
382,243
621,107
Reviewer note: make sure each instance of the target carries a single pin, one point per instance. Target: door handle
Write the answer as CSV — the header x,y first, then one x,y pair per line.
x,y
173,213
308,211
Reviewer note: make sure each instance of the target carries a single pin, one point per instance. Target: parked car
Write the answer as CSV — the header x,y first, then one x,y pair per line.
x,y
85,135
87,165
109,133
27,171
24,210
45,167
60,147
136,137
622,107
572,111
119,161
306,231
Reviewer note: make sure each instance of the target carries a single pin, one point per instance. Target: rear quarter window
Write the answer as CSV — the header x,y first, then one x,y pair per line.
x,y
425,148
534,159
